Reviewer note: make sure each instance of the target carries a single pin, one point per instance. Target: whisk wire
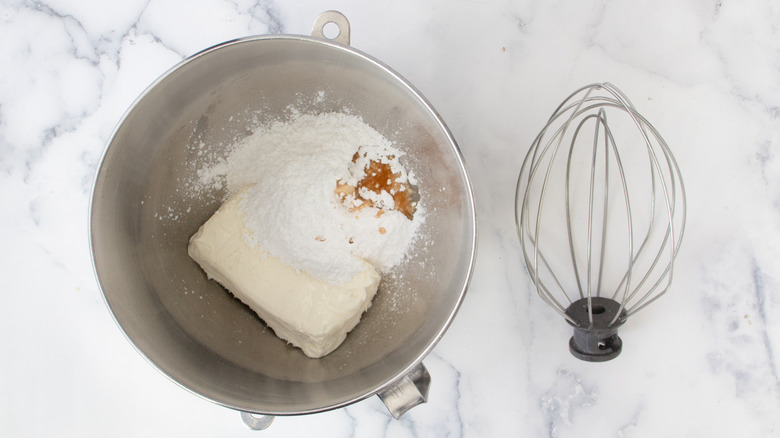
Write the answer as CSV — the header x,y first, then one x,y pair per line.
x,y
602,122
670,198
529,167
656,173
534,164
629,222
646,275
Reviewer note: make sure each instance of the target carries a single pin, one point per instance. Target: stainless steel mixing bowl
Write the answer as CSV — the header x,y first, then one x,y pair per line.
x,y
143,213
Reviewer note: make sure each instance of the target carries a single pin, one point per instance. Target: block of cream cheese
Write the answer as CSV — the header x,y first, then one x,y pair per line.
x,y
311,314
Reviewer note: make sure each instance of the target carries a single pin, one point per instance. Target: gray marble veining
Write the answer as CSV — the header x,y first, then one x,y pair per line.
x,y
700,362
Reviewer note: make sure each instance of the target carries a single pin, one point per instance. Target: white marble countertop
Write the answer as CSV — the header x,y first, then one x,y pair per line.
x,y
700,362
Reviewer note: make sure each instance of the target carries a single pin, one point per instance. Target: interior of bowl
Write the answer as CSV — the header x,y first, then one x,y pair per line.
x,y
144,211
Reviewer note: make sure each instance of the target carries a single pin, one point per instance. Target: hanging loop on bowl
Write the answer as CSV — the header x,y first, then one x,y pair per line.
x,y
334,17
256,421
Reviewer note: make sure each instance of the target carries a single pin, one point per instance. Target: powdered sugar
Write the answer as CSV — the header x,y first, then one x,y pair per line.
x,y
290,170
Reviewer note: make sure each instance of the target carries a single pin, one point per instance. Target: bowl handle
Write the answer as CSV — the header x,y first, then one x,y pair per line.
x,y
408,392
256,421
336,18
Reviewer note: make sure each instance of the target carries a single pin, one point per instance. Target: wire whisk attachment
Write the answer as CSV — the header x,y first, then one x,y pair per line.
x,y
600,210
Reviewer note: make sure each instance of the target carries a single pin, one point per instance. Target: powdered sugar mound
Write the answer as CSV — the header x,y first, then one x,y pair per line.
x,y
291,170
